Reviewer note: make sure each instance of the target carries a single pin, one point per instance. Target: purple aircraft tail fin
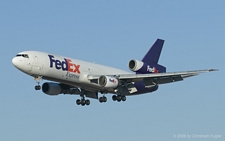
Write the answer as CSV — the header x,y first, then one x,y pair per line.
x,y
154,52
152,56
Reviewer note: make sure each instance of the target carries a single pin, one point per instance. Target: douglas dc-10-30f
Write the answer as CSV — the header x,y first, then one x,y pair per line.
x,y
77,77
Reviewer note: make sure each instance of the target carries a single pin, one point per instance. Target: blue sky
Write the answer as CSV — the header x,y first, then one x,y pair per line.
x,y
112,33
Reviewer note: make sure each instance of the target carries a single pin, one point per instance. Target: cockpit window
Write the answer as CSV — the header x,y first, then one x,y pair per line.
x,y
23,55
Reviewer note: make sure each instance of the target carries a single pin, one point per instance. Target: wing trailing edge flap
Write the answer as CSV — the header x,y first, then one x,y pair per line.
x,y
124,90
161,80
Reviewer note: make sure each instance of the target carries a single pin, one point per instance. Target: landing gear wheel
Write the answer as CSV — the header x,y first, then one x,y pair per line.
x,y
118,98
38,87
102,99
87,102
114,98
123,98
82,102
78,102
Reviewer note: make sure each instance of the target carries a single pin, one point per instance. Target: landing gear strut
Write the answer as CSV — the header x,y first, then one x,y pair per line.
x,y
119,98
38,79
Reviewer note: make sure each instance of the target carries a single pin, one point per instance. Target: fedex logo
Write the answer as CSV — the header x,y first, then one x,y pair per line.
x,y
65,65
153,70
112,80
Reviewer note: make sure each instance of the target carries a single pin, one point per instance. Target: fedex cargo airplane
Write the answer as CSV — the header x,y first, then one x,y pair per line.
x,y
77,77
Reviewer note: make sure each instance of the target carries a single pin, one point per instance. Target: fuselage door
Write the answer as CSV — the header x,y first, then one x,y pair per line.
x,y
37,67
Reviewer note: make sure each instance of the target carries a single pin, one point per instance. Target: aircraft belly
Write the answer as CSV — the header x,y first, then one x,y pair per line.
x,y
74,83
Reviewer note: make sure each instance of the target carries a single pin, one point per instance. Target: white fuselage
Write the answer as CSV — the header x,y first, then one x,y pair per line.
x,y
63,69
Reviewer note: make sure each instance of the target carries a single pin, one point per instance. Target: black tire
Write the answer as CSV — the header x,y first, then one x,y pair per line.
x,y
100,99
114,98
82,102
37,87
123,98
104,99
78,102
118,98
87,102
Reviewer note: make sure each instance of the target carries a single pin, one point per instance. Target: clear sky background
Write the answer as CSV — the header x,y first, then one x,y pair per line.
x,y
112,33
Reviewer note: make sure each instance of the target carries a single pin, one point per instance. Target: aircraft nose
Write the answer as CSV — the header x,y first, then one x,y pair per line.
x,y
15,62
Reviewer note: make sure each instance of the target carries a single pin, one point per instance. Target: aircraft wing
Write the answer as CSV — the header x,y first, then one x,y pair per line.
x,y
154,78
160,78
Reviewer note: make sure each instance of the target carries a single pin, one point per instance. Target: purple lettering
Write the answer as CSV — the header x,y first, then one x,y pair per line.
x,y
58,64
51,60
64,65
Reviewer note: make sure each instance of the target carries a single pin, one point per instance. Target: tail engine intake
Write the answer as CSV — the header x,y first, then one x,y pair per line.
x,y
142,67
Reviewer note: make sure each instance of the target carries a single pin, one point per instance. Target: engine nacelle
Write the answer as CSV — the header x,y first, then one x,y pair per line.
x,y
142,67
108,81
135,65
51,88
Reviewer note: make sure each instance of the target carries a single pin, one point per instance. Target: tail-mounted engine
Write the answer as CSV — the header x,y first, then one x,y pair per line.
x,y
56,89
141,67
108,81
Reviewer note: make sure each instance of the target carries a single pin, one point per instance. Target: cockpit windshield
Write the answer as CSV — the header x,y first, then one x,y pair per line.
x,y
23,55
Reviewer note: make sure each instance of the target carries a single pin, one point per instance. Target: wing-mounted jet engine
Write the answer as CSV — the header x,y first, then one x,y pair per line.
x,y
50,88
108,81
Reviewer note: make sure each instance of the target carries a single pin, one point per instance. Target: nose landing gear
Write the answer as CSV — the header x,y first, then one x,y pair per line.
x,y
38,79
37,87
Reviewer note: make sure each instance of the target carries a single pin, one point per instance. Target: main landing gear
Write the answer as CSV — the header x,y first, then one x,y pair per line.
x,y
102,99
82,101
119,98
38,79
114,98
